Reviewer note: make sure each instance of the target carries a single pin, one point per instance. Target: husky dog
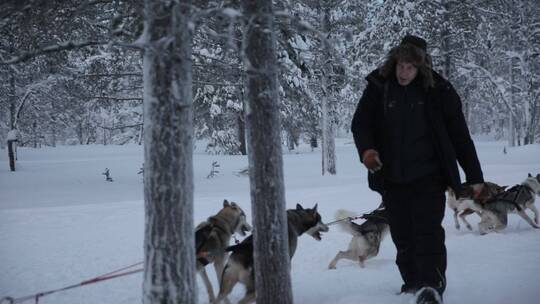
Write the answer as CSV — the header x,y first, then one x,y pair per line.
x,y
212,238
366,237
494,214
239,267
461,204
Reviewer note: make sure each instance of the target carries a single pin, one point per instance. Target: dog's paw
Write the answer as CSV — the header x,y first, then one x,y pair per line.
x,y
469,227
332,266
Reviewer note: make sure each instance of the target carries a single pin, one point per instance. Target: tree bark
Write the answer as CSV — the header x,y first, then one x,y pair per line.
x,y
271,249
169,265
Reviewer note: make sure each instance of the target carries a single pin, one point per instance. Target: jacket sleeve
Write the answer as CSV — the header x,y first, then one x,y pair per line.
x,y
460,137
362,125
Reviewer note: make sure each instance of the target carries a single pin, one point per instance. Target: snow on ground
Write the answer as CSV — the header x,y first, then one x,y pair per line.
x,y
62,223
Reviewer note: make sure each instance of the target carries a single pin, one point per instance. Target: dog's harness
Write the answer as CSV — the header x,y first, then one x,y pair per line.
x,y
513,195
204,232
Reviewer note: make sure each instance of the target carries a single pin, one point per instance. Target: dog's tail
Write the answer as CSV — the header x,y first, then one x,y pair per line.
x,y
345,224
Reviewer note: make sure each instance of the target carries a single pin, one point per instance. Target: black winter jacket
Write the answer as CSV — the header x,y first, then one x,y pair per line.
x,y
447,124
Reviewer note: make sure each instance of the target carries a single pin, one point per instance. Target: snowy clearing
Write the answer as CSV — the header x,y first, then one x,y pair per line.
x,y
62,223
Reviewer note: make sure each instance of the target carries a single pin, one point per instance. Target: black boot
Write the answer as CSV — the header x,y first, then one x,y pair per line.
x,y
428,295
407,288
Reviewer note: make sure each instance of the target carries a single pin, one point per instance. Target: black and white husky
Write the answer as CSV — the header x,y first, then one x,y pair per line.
x,y
212,238
366,237
239,267
494,214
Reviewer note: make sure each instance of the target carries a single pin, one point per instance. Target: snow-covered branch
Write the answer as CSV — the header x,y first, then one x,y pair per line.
x,y
121,127
63,46
117,98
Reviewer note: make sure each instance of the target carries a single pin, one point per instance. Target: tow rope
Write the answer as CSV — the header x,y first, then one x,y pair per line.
x,y
107,276
348,218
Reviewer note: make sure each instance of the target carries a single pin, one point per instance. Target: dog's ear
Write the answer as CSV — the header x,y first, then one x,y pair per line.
x,y
226,203
530,175
299,207
233,204
315,208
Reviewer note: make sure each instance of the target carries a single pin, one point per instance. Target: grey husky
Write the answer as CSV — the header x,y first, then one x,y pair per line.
x,y
212,239
239,267
366,237
461,203
494,213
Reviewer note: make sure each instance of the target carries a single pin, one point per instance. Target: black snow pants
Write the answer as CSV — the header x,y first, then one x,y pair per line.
x,y
416,211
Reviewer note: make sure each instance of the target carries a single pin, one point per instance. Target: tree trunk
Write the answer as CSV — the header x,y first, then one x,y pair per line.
x,y
11,154
104,132
169,264
140,136
511,122
242,133
446,42
328,103
271,253
80,132
12,103
34,134
53,132
511,130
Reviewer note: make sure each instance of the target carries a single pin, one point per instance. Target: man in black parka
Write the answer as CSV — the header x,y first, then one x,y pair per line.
x,y
409,130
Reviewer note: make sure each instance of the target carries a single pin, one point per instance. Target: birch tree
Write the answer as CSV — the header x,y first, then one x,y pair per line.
x,y
271,250
169,264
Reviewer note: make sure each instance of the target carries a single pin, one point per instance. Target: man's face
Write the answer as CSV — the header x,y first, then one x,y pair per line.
x,y
405,73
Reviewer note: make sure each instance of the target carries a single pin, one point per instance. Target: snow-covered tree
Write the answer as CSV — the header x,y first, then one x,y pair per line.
x,y
169,246
272,275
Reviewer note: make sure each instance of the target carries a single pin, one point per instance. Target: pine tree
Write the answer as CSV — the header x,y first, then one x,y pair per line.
x,y
169,265
265,159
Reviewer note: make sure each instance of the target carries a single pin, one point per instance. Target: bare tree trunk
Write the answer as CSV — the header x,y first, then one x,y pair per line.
x,y
511,130
446,42
169,264
34,134
53,131
534,116
141,135
271,250
80,132
328,103
104,132
511,122
242,133
11,154
12,103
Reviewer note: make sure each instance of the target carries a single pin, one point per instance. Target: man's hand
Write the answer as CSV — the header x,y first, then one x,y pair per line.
x,y
371,160
477,190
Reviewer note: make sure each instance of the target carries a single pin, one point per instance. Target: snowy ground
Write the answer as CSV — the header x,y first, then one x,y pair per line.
x,y
62,223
